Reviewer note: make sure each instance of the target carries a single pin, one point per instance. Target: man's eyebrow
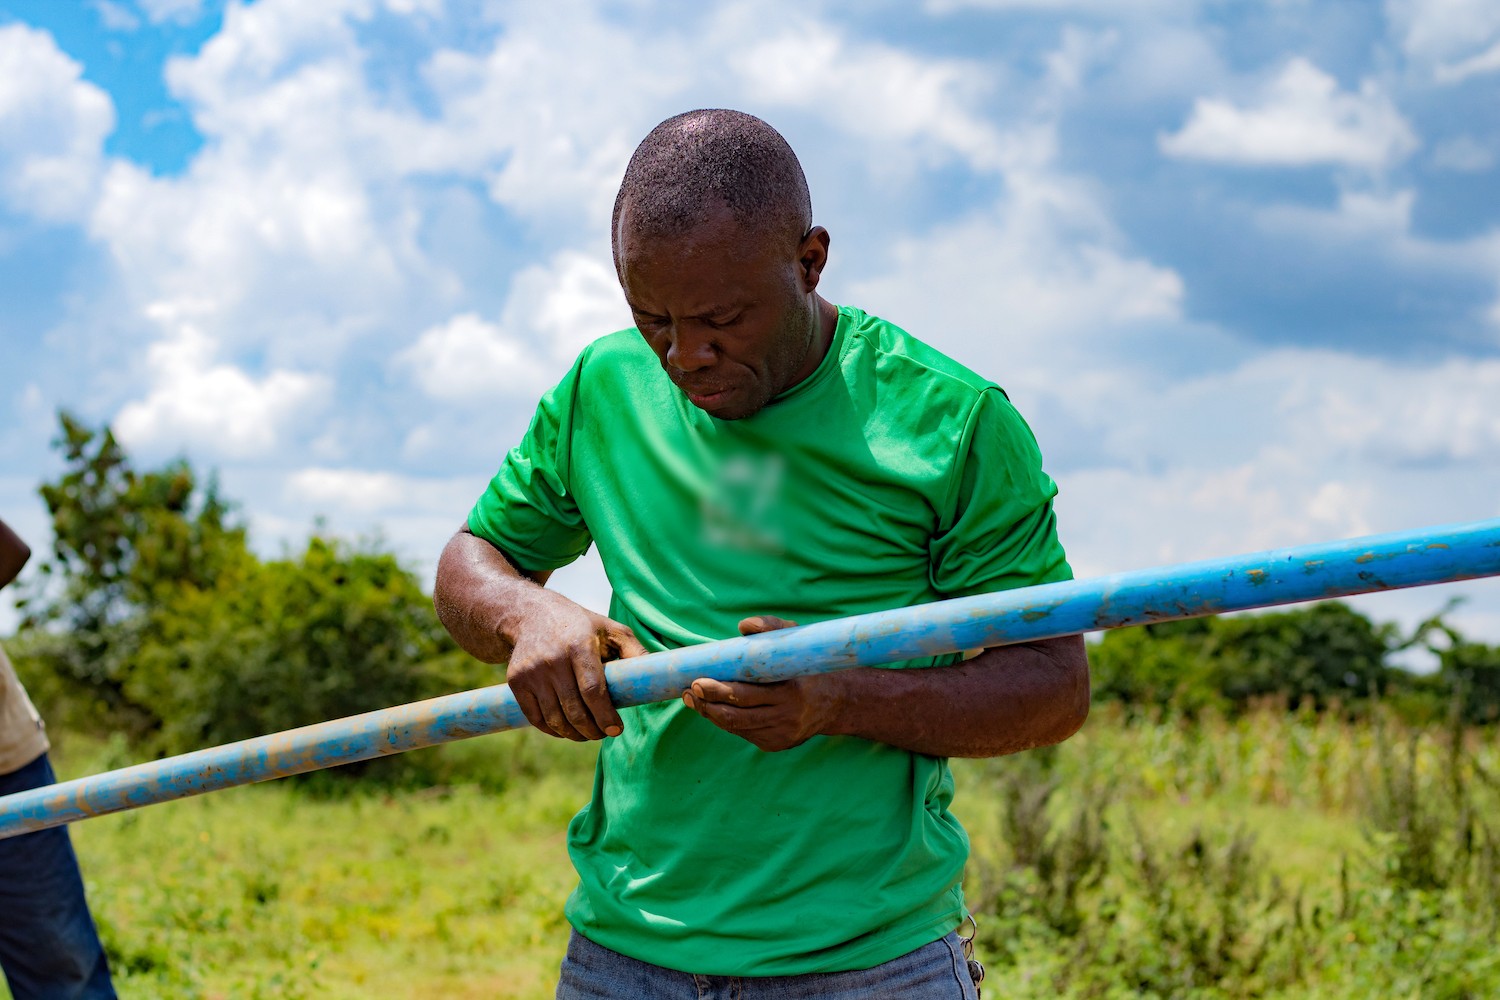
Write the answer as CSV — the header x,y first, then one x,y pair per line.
x,y
637,309
726,309
718,311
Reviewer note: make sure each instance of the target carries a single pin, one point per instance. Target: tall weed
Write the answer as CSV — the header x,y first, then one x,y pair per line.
x,y
1136,862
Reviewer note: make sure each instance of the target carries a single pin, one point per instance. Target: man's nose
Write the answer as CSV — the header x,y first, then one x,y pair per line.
x,y
690,350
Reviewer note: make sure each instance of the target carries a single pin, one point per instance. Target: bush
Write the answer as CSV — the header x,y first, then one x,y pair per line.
x,y
1473,672
268,647
1321,656
1082,888
284,644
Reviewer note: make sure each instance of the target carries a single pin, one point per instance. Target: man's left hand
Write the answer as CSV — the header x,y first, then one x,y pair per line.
x,y
776,716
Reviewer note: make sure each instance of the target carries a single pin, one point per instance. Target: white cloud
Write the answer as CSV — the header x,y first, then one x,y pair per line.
x,y
1464,154
883,92
1485,62
52,127
1379,225
116,16
214,405
377,491
303,226
1292,447
1448,413
1366,213
1301,119
288,255
293,231
569,303
177,11
1110,8
426,8
1439,31
1078,54
553,312
1120,519
553,134
1025,292
468,358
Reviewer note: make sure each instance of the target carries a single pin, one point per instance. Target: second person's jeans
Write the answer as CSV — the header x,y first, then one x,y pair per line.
x,y
49,948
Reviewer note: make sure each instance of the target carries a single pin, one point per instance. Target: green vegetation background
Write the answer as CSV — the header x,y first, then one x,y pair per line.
x,y
1259,806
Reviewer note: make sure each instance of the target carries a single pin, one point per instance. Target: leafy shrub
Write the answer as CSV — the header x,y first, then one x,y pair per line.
x,y
1077,893
1473,671
288,643
153,618
1322,656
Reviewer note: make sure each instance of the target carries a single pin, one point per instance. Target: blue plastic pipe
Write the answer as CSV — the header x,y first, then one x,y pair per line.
x,y
1264,579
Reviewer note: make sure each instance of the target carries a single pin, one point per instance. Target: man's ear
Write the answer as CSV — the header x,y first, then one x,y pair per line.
x,y
812,255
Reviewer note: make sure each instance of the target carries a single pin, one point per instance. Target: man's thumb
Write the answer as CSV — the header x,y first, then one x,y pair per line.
x,y
756,624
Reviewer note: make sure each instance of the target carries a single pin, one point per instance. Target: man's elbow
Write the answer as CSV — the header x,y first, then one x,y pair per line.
x,y
1074,696
14,554
445,582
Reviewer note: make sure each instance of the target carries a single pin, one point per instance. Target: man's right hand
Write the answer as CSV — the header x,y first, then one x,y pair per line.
x,y
556,650
557,668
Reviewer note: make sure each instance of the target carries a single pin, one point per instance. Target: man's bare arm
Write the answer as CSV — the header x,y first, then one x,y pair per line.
x,y
1002,701
13,554
481,597
554,649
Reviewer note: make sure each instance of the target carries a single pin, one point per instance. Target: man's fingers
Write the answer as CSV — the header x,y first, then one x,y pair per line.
x,y
576,721
623,642
707,689
599,718
548,696
756,624
742,722
533,711
565,714
728,717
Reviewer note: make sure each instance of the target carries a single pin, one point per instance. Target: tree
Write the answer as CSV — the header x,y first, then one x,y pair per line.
x,y
124,543
1318,654
154,618
1472,672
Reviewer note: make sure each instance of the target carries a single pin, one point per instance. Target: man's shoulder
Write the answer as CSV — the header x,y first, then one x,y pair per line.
x,y
617,363
895,353
623,347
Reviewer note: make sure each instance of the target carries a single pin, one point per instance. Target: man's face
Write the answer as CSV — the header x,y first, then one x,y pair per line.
x,y
730,314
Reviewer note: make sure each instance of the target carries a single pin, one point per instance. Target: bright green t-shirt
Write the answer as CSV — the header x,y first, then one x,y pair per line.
x,y
891,476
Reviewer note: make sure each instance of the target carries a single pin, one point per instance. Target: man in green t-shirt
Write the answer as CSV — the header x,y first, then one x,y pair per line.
x,y
747,456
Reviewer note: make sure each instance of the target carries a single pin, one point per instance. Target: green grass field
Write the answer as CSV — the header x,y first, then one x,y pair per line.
x,y
1275,855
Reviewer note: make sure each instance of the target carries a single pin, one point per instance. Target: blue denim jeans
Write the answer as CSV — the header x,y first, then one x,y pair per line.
x,y
48,946
936,971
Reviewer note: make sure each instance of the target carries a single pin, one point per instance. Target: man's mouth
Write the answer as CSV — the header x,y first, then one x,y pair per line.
x,y
705,395
708,398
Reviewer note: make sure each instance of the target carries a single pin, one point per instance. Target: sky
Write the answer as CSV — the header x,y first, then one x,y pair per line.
x,y
1238,263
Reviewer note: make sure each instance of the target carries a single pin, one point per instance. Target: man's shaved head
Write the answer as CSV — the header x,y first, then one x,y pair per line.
x,y
694,163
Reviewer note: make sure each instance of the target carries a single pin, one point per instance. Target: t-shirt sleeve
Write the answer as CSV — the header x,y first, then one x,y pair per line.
x,y
999,531
529,511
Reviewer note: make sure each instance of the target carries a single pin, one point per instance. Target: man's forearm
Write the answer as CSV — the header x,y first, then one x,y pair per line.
x,y
1002,701
481,598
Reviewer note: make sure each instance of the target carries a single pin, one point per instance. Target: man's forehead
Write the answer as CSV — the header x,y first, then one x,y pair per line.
x,y
716,241
712,221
